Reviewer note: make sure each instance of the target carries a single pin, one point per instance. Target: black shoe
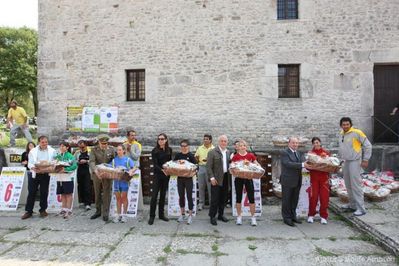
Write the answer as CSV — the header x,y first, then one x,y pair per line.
x,y
151,221
95,216
289,222
223,219
213,221
105,218
164,218
297,221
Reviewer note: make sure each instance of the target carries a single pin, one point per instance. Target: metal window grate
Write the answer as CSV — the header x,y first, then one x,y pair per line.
x,y
288,81
287,9
135,79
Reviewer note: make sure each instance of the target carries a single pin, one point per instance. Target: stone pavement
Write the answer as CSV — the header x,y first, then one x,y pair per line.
x,y
81,241
381,221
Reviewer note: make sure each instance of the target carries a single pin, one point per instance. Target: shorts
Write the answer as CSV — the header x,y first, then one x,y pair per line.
x,y
64,187
120,186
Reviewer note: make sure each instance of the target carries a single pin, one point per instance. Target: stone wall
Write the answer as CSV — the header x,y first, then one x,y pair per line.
x,y
214,68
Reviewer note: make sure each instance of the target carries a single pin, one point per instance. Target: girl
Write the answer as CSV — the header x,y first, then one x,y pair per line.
x,y
243,155
160,155
65,179
319,186
121,187
185,183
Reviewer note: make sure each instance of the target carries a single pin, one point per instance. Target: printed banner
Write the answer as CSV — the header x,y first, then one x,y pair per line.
x,y
91,119
303,202
11,182
245,202
109,119
132,197
54,200
74,118
173,198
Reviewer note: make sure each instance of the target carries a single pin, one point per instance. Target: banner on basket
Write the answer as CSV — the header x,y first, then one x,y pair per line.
x,y
245,202
11,182
173,198
53,200
132,197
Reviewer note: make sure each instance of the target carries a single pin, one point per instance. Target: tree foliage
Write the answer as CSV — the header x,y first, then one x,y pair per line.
x,y
18,66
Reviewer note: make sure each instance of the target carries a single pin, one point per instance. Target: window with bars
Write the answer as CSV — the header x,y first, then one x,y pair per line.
x,y
287,9
135,79
288,81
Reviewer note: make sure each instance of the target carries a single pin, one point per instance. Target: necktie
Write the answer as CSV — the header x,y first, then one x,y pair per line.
x,y
296,156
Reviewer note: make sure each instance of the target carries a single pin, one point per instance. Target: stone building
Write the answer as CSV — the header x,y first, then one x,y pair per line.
x,y
238,67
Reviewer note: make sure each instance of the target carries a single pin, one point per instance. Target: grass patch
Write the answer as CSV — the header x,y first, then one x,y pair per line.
x,y
218,254
183,251
167,249
332,238
252,247
151,234
250,238
315,238
362,237
216,231
194,235
16,229
325,253
215,247
161,259
106,256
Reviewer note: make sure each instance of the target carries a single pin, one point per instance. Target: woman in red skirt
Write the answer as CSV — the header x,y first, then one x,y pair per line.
x,y
319,186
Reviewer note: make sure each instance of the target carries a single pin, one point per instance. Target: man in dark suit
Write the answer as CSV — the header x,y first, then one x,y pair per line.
x,y
291,181
217,166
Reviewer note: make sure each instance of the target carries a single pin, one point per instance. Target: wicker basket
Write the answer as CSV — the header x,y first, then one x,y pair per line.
x,y
110,173
182,172
48,167
324,167
246,174
374,198
278,194
343,198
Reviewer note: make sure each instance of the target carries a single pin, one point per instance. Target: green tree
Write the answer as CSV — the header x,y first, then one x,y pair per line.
x,y
18,66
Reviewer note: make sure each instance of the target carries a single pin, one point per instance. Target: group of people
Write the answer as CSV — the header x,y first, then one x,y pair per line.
x,y
213,176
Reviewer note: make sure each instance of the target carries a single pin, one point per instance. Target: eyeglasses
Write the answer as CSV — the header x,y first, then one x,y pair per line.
x,y
183,146
161,138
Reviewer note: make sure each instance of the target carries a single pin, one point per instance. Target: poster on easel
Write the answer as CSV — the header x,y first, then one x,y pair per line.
x,y
109,119
303,202
245,211
74,118
11,182
173,198
132,197
54,203
91,119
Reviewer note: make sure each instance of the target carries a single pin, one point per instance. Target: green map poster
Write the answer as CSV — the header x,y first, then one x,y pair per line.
x,y
91,119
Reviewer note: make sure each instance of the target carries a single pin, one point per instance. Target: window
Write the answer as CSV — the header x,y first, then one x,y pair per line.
x,y
135,79
287,9
288,81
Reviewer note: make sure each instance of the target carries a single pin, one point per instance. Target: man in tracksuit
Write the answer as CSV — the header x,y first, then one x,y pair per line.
x,y
355,149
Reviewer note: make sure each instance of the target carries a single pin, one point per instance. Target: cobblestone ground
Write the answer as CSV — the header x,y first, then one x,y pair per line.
x,y
81,241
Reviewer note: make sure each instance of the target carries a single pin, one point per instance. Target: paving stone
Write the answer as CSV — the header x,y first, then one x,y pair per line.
x,y
12,222
347,246
4,246
22,235
84,254
192,259
193,244
36,252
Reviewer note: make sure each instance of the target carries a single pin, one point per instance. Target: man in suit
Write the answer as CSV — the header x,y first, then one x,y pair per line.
x,y
217,166
291,181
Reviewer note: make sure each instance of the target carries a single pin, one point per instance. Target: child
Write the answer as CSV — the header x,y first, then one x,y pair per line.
x,y
121,187
65,179
185,183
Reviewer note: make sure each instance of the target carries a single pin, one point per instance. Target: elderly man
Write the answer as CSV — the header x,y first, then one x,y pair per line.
x,y
203,181
102,153
42,152
217,166
17,120
291,181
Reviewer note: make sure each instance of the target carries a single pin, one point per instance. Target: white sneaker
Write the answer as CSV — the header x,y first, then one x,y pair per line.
x,y
323,221
253,221
123,219
181,219
310,219
359,213
190,219
88,208
200,207
116,219
239,220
